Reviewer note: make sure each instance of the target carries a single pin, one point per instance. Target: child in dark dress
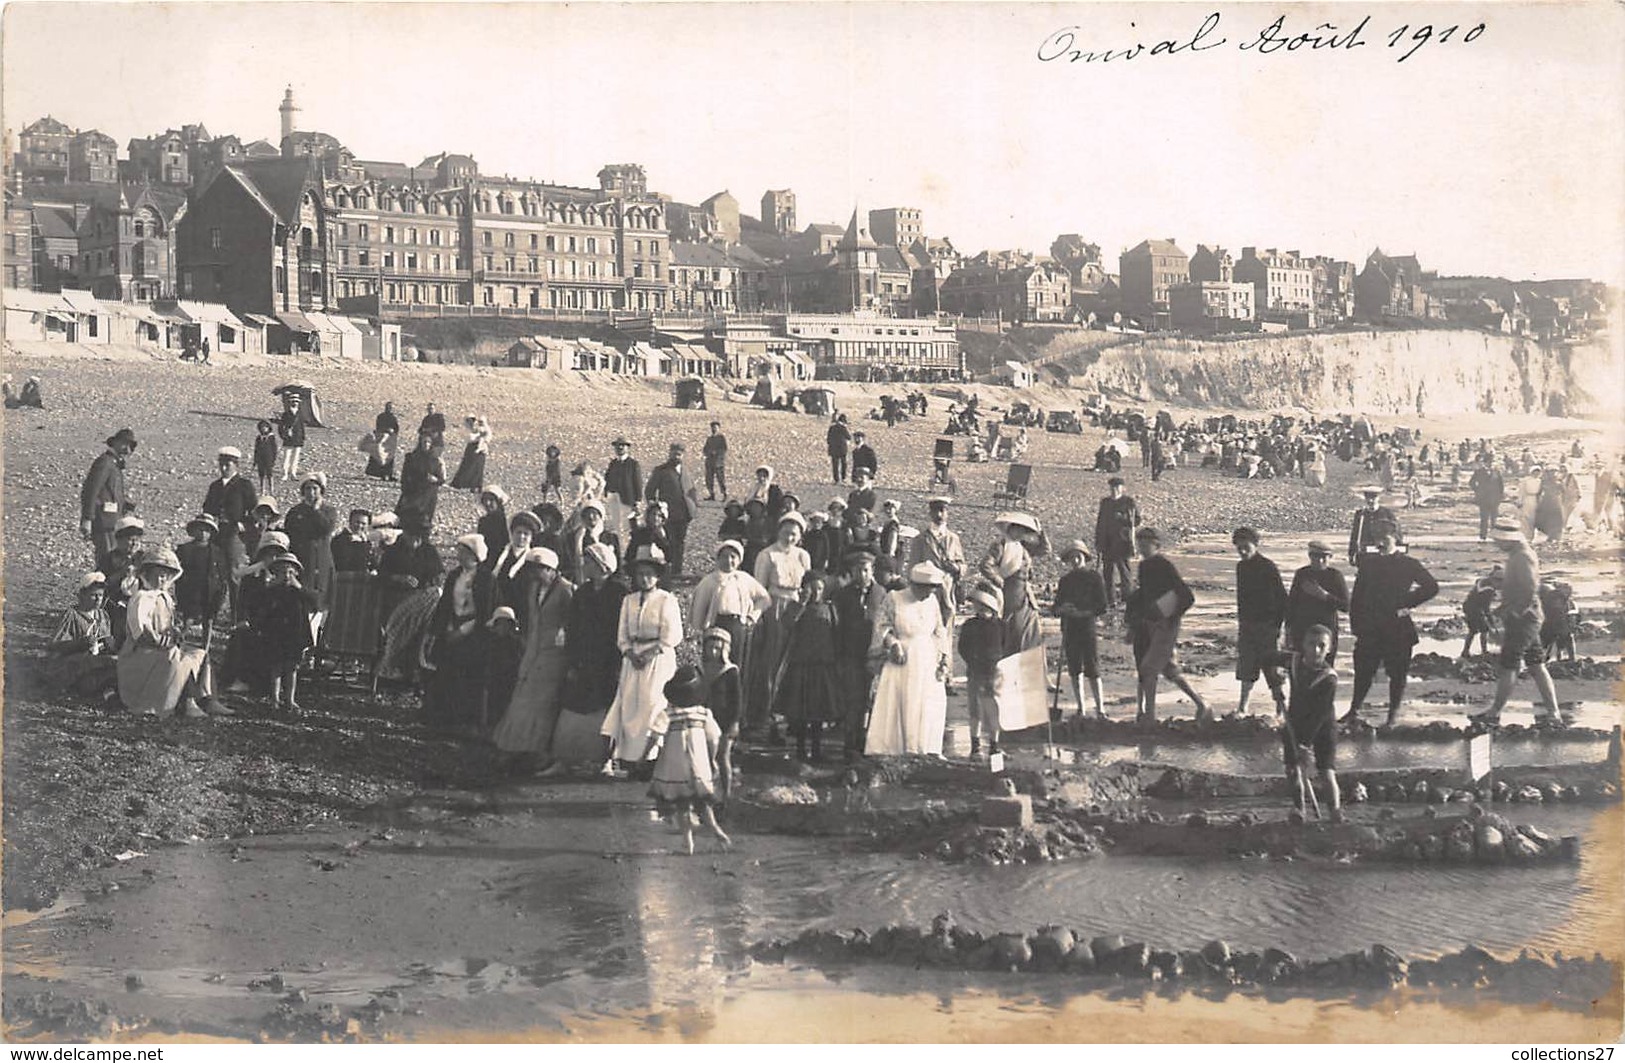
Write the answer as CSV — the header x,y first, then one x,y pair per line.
x,y
283,624
1080,601
265,449
553,478
981,646
733,522
1478,609
808,693
504,649
724,696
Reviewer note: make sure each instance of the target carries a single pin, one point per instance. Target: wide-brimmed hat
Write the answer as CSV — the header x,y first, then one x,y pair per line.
x,y
1148,535
1076,546
123,435
128,522
1369,492
1018,520
476,543
685,689
603,555
792,517
765,468
228,452
502,612
925,573
593,504
387,519
286,558
92,579
205,519
317,478
649,554
818,515
1507,533
541,555
495,491
268,502
939,500
526,518
990,597
162,557
730,544
719,634
276,539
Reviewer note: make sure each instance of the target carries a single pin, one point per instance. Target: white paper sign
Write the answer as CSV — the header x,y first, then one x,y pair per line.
x,y
1478,756
1020,690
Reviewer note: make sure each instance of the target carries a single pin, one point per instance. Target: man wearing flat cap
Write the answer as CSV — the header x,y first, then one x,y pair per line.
x,y
941,546
1318,594
1363,537
230,500
623,489
1387,586
103,498
1115,524
671,484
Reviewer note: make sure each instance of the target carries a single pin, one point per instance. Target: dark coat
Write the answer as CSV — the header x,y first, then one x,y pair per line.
x,y
230,502
1385,584
310,534
670,483
855,615
623,477
103,499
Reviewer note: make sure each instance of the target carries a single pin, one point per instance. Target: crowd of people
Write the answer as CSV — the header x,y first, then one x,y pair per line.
x,y
558,634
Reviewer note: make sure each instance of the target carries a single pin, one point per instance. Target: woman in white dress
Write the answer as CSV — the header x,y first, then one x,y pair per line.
x,y
779,569
651,628
911,700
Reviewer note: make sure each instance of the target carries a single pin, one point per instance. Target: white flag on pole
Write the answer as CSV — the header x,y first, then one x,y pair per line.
x,y
1478,756
1020,690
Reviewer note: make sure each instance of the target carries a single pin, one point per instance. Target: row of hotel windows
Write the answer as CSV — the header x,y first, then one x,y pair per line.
x,y
534,298
647,218
435,264
570,244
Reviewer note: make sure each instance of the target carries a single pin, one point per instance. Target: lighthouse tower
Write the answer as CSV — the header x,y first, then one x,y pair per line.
x,y
288,110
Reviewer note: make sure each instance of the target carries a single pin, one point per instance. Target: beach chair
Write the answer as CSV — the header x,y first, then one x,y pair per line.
x,y
1016,484
942,463
355,628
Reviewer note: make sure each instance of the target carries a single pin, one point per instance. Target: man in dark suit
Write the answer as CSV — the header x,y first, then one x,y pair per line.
x,y
103,498
670,483
1387,587
230,500
623,489
857,606
716,462
838,440
863,455
1115,524
1363,535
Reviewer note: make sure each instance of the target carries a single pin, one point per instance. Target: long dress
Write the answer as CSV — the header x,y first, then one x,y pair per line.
x,y
648,619
386,435
421,475
911,703
595,617
153,668
809,690
684,773
471,470
538,695
310,534
779,569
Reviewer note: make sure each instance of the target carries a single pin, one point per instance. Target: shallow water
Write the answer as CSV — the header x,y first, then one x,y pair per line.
x,y
1264,756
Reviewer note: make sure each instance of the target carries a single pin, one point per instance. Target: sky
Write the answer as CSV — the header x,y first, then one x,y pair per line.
x,y
1505,155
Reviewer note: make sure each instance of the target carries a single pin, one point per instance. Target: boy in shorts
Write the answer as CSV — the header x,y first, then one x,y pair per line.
x,y
1311,717
1080,601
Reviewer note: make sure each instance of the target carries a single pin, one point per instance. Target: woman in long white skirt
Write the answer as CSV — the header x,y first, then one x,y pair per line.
x,y
651,628
911,700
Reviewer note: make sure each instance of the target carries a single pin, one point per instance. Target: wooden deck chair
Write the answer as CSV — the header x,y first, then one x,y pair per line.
x,y
1016,484
355,627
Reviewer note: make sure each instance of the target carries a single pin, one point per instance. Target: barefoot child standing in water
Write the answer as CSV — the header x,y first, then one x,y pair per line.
x,y
687,735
